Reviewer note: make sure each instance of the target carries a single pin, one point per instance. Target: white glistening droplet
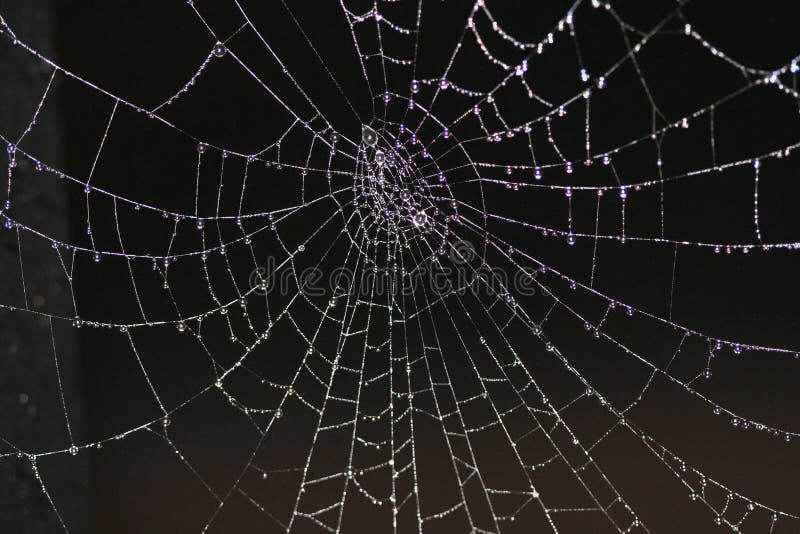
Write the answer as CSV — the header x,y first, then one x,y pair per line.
x,y
368,136
219,50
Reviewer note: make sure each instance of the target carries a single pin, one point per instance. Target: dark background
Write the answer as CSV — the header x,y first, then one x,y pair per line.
x,y
146,52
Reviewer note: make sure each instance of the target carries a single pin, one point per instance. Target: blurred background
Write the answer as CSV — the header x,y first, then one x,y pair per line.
x,y
169,476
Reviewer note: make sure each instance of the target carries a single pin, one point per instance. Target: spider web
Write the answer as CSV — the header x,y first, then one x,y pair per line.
x,y
436,285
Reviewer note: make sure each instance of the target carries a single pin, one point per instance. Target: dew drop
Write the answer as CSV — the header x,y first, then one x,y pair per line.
x,y
219,50
368,136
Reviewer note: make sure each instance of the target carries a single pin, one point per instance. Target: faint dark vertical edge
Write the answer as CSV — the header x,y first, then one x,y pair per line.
x,y
27,372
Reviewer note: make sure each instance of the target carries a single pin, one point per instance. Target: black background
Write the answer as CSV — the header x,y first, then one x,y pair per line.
x,y
145,52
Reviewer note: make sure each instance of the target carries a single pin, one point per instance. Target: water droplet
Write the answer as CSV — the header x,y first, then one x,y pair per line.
x,y
368,136
219,50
